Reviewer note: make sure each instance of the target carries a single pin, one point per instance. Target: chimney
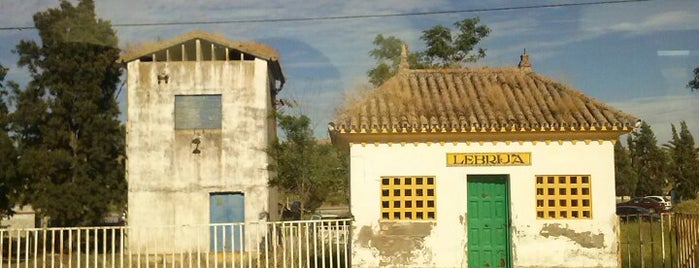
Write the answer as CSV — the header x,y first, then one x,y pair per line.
x,y
524,63
403,64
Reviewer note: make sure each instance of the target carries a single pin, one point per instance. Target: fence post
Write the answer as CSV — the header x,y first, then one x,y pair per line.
x,y
316,243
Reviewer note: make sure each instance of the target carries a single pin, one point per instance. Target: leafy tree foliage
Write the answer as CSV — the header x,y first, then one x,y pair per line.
x,y
687,207
694,83
68,134
3,72
444,49
307,169
648,161
8,154
624,174
684,164
387,55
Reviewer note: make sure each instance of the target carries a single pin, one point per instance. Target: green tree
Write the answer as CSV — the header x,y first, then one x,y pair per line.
x,y
68,133
624,175
444,49
305,168
3,72
8,154
684,164
387,54
648,161
694,83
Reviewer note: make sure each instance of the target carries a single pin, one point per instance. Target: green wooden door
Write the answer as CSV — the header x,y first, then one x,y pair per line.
x,y
488,221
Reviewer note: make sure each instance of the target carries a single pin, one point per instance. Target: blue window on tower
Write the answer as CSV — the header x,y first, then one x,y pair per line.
x,y
197,111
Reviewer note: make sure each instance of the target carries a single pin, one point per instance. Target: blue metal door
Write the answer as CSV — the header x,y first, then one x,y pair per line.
x,y
227,208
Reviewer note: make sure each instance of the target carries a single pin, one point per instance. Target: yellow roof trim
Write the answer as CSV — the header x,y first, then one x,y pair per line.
x,y
485,130
339,137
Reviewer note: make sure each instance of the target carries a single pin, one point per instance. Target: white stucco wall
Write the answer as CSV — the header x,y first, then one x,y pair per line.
x,y
23,218
168,184
445,242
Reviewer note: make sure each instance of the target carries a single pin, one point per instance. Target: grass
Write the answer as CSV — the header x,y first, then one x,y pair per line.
x,y
648,243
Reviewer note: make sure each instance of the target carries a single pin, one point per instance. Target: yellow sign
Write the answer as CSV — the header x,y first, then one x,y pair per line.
x,y
489,159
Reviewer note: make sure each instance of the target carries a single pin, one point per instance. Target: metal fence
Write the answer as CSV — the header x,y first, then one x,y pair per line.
x,y
289,244
659,240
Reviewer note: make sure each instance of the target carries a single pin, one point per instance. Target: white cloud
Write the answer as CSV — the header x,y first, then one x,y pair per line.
x,y
345,43
217,10
507,26
548,32
661,112
19,13
673,53
655,22
641,18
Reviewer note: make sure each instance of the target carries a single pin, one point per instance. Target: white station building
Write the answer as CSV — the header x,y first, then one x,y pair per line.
x,y
481,167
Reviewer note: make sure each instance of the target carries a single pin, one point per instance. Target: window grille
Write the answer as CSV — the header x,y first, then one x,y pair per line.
x,y
563,197
408,198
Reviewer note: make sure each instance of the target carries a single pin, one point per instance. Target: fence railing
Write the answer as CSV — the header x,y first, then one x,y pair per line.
x,y
659,240
687,240
289,244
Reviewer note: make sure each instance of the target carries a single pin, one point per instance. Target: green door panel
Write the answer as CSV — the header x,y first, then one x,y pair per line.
x,y
488,221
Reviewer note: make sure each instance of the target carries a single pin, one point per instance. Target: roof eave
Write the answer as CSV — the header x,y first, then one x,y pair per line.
x,y
343,137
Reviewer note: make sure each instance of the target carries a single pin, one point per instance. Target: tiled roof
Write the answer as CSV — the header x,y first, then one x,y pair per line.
x,y
482,99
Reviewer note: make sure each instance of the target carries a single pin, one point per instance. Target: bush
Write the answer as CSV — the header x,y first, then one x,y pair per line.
x,y
687,207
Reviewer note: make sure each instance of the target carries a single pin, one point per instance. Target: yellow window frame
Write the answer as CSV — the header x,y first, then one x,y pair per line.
x,y
408,198
563,197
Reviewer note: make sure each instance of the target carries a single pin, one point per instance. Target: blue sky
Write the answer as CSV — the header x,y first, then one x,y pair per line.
x,y
635,56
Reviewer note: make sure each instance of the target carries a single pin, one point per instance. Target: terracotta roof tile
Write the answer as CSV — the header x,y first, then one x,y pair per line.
x,y
476,100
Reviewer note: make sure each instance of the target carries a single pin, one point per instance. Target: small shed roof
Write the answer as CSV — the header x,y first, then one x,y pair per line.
x,y
476,100
254,48
212,43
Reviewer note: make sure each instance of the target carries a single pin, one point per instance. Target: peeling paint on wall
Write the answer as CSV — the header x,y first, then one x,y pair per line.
x,y
167,165
514,251
584,239
397,243
464,240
